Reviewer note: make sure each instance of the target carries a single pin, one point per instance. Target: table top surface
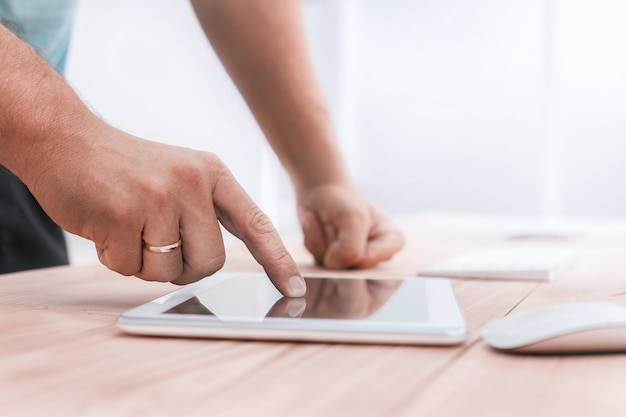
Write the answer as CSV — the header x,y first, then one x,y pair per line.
x,y
62,354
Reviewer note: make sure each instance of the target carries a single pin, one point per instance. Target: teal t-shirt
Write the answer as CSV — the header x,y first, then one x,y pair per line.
x,y
45,24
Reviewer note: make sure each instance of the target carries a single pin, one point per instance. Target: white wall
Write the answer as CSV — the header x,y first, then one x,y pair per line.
x,y
469,98
485,106
591,87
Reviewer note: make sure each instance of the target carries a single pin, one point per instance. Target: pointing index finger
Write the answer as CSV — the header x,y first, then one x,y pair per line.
x,y
241,217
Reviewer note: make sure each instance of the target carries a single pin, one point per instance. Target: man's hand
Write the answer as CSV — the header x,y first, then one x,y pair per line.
x,y
123,193
344,230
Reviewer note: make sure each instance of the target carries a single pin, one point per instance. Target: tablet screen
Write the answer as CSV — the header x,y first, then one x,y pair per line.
x,y
245,299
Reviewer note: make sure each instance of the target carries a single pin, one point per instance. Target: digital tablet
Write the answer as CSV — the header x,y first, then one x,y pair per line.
x,y
413,310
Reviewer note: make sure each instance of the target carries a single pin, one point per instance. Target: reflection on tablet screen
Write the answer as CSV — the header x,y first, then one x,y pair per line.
x,y
376,300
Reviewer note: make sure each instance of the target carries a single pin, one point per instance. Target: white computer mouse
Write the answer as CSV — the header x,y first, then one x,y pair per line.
x,y
579,327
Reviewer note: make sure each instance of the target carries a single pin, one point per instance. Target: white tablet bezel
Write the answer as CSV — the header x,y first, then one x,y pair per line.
x,y
446,327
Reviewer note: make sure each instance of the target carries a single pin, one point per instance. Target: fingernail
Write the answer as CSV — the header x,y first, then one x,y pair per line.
x,y
296,307
297,286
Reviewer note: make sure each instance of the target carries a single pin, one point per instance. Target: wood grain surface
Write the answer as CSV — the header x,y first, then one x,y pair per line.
x,y
62,355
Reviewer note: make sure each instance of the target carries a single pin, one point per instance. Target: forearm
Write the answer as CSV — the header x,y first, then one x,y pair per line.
x,y
41,118
263,46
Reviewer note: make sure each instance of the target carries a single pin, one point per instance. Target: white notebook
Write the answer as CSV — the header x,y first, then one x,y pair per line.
x,y
514,262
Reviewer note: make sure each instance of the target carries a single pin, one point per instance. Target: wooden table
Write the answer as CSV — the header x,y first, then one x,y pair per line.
x,y
61,353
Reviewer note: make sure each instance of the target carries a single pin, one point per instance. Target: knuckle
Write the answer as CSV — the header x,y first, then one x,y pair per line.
x,y
213,265
122,214
119,265
156,191
259,223
126,270
123,263
200,172
261,232
355,214
193,173
209,266
212,160
283,257
193,274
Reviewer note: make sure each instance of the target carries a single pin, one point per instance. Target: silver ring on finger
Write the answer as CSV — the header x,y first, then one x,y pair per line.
x,y
163,249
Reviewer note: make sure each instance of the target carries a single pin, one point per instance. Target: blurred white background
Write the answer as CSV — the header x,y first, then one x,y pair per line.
x,y
485,106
